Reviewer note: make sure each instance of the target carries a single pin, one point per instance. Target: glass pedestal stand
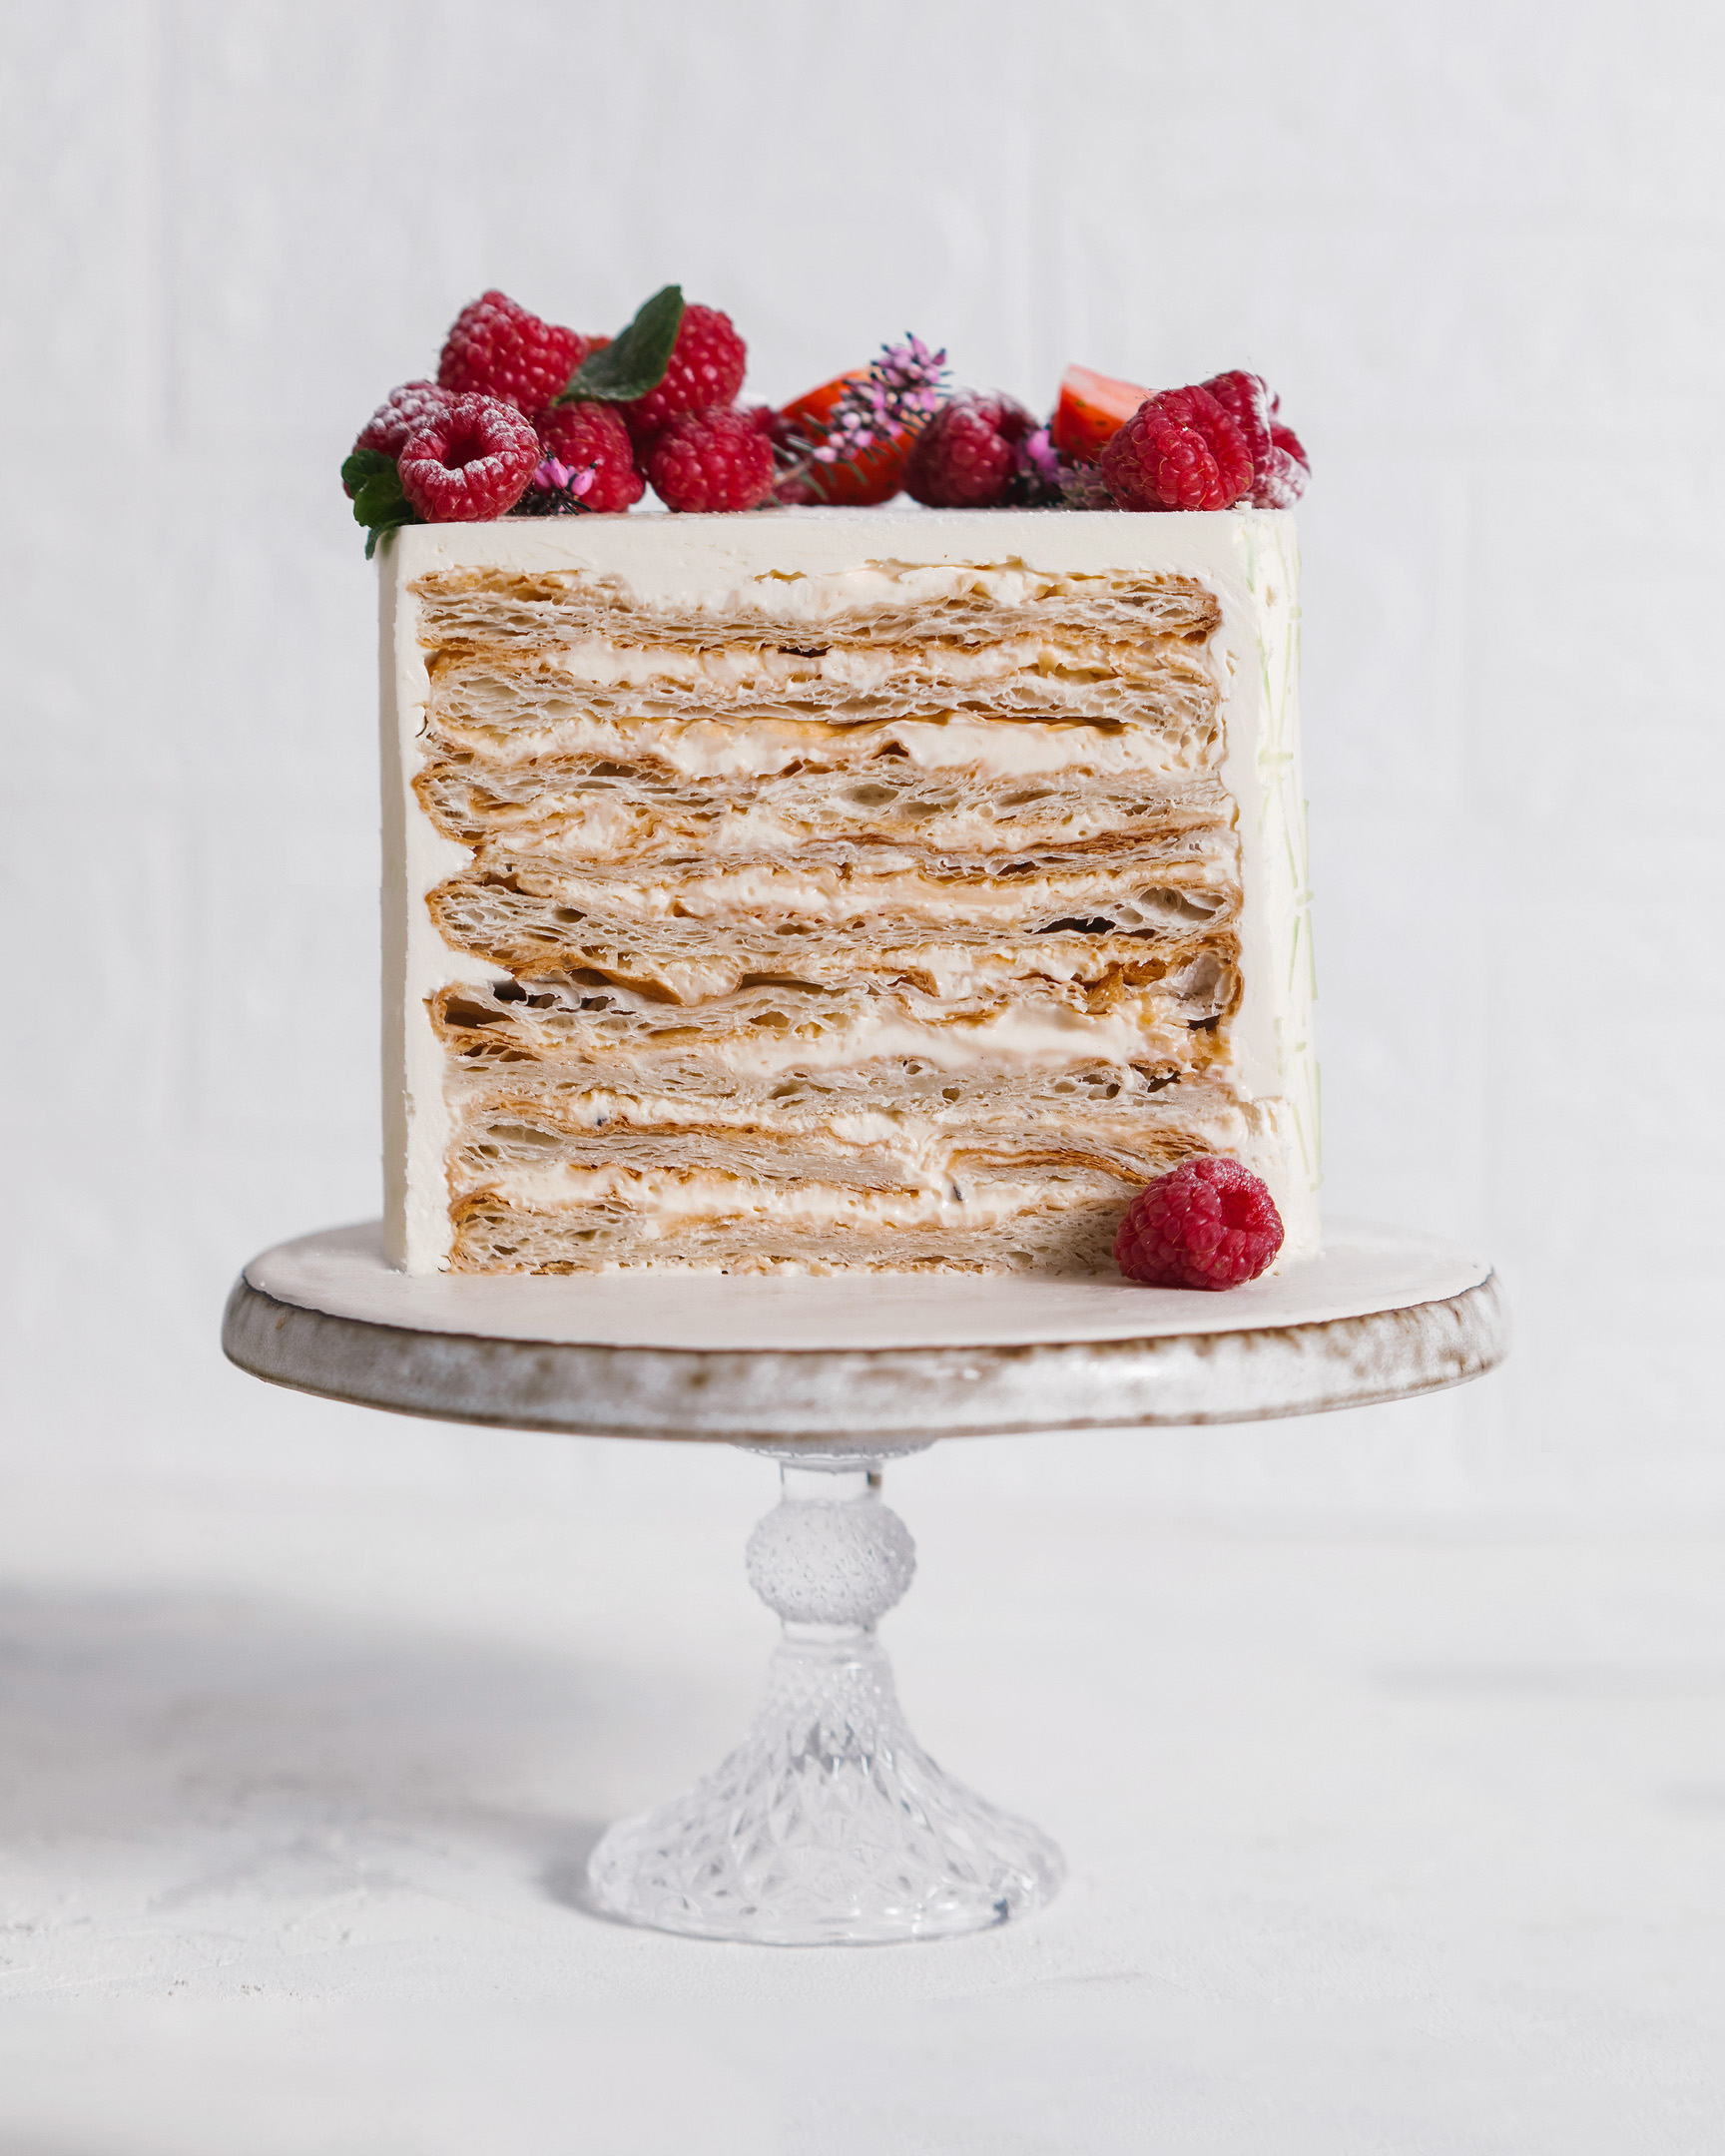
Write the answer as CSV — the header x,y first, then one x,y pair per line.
x,y
829,1823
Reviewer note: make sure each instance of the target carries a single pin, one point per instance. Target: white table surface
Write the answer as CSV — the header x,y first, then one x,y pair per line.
x,y
1381,1842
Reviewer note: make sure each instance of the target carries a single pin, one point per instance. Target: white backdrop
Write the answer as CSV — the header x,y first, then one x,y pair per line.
x,y
1385,1747
1476,245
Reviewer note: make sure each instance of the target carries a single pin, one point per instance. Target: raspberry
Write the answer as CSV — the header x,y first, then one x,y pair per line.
x,y
592,438
964,458
1245,399
1207,1224
711,460
1286,467
707,365
497,349
403,412
1279,471
1179,450
469,463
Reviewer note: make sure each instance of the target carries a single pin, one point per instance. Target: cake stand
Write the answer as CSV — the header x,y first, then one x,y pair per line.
x,y
829,1823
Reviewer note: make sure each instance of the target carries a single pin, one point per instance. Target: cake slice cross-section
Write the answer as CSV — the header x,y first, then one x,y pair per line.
x,y
836,891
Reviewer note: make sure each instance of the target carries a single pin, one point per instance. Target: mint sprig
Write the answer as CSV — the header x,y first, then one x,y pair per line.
x,y
379,502
636,358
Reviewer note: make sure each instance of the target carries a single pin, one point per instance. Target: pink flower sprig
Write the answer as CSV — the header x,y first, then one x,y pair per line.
x,y
551,477
902,393
556,488
1037,459
1043,478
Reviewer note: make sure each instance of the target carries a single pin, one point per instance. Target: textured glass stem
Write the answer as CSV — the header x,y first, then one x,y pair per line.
x,y
829,1823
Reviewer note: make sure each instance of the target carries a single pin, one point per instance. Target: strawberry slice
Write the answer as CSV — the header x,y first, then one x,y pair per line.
x,y
1093,407
876,476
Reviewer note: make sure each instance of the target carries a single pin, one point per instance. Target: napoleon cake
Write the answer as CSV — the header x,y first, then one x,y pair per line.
x,y
838,890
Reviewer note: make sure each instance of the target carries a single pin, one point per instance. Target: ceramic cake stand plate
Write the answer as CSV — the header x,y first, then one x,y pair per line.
x,y
829,1823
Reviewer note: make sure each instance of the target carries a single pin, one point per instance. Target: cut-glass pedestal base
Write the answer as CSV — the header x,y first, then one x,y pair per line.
x,y
828,1825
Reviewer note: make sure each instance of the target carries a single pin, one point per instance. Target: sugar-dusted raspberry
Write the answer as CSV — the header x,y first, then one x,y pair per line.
x,y
1245,399
469,463
1179,450
1280,469
591,438
711,460
966,455
1286,469
403,412
497,349
707,367
1207,1224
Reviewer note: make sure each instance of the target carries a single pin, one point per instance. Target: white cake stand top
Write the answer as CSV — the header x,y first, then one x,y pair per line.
x,y
1382,1315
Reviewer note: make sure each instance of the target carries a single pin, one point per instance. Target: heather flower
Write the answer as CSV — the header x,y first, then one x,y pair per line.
x,y
551,477
556,488
1038,459
902,393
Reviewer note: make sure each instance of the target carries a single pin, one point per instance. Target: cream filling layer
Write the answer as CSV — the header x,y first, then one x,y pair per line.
x,y
845,894
612,827
995,748
599,663
1139,1027
954,972
805,597
910,1152
910,1132
659,1200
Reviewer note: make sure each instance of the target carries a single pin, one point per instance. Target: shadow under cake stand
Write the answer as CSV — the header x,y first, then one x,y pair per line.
x,y
829,1823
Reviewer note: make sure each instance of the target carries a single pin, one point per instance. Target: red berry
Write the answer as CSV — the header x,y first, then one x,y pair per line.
x,y
592,436
711,460
1286,471
707,365
1092,406
1245,399
1279,466
403,412
471,462
1207,1224
963,459
497,349
1179,450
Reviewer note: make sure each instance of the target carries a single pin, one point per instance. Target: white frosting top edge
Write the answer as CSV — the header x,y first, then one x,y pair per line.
x,y
704,562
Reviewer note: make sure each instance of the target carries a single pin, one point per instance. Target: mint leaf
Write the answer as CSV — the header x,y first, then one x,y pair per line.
x,y
379,502
636,358
407,514
363,464
379,498
382,530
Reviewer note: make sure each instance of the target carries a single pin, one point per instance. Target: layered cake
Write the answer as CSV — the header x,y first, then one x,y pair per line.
x,y
838,890
777,881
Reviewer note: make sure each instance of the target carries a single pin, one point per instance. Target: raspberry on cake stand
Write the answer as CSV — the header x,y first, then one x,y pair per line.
x,y
828,1825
